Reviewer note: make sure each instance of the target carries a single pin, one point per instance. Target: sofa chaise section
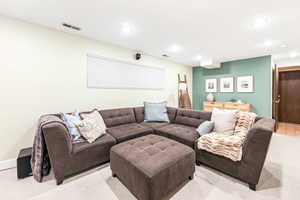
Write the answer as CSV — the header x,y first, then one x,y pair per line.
x,y
254,149
68,158
184,127
129,131
122,125
184,134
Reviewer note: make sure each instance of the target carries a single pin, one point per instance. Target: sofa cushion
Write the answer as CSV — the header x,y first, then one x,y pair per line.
x,y
83,145
154,124
115,117
191,117
181,133
139,114
129,131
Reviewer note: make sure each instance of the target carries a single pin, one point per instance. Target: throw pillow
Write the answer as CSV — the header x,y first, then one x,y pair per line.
x,y
156,112
224,120
70,120
92,126
205,127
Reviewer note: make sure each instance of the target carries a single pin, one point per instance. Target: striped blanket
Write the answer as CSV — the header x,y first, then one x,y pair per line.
x,y
229,145
40,162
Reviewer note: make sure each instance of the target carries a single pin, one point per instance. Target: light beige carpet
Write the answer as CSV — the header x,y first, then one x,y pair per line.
x,y
280,180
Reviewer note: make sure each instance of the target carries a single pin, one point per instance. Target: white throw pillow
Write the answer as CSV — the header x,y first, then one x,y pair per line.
x,y
92,126
224,120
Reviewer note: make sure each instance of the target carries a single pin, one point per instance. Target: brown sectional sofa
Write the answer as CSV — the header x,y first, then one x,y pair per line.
x,y
128,123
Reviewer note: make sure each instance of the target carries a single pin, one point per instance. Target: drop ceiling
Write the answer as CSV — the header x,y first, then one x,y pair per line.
x,y
187,31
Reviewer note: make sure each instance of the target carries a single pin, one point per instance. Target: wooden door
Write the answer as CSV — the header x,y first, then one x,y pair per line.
x,y
289,88
276,96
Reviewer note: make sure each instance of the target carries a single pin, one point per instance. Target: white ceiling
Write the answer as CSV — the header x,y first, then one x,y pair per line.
x,y
213,29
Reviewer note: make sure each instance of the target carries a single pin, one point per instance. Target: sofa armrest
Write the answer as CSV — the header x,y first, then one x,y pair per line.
x,y
256,147
59,145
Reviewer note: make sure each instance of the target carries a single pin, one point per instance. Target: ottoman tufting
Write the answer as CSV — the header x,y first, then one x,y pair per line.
x,y
152,166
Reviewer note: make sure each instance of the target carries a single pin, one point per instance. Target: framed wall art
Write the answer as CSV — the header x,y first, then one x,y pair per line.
x,y
211,85
244,84
227,84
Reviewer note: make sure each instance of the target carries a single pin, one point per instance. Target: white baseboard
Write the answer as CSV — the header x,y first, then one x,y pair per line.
x,y
7,164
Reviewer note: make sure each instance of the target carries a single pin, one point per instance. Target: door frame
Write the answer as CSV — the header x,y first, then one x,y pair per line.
x,y
276,96
288,69
276,90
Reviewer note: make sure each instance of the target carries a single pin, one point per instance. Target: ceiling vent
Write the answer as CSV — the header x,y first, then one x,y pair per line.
x,y
71,26
210,64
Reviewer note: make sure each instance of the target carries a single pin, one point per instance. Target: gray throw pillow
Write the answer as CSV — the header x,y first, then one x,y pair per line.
x,y
156,112
205,127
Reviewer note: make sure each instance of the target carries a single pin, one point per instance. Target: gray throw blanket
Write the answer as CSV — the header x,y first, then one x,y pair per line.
x,y
40,162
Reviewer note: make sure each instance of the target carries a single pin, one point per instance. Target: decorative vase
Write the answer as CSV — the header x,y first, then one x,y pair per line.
x,y
210,97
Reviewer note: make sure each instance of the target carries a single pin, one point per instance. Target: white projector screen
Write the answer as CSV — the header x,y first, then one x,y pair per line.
x,y
109,73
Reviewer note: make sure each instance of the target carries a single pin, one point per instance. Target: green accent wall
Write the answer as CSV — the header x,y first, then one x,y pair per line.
x,y
260,68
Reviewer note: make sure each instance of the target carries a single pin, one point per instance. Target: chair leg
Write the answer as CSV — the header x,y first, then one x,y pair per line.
x,y
114,175
252,186
191,177
198,163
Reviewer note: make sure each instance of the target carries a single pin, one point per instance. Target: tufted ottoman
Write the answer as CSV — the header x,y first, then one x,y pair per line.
x,y
152,166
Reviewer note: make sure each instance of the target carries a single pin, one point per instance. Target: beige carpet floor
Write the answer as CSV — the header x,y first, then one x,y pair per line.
x,y
280,179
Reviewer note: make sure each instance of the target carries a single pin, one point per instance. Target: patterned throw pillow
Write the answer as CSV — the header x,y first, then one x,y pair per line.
x,y
70,120
92,126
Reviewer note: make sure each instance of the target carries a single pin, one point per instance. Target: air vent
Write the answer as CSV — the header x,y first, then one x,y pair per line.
x,y
71,26
165,55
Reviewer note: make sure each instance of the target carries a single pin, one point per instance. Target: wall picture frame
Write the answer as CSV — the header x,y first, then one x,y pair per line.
x,y
244,84
211,85
227,84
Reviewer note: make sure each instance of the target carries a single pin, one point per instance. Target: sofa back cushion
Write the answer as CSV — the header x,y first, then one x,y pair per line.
x,y
139,114
115,117
191,117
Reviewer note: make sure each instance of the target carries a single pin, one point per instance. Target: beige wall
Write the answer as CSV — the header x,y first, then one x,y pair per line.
x,y
44,71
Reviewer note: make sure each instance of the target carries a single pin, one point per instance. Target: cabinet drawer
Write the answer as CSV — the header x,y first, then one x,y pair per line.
x,y
215,105
233,106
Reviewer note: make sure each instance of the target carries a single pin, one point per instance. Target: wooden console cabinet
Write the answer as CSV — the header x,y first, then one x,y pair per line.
x,y
208,106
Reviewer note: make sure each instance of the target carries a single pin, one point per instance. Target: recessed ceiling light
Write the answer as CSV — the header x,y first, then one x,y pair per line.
x,y
294,54
283,46
268,43
261,22
174,48
126,28
198,57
